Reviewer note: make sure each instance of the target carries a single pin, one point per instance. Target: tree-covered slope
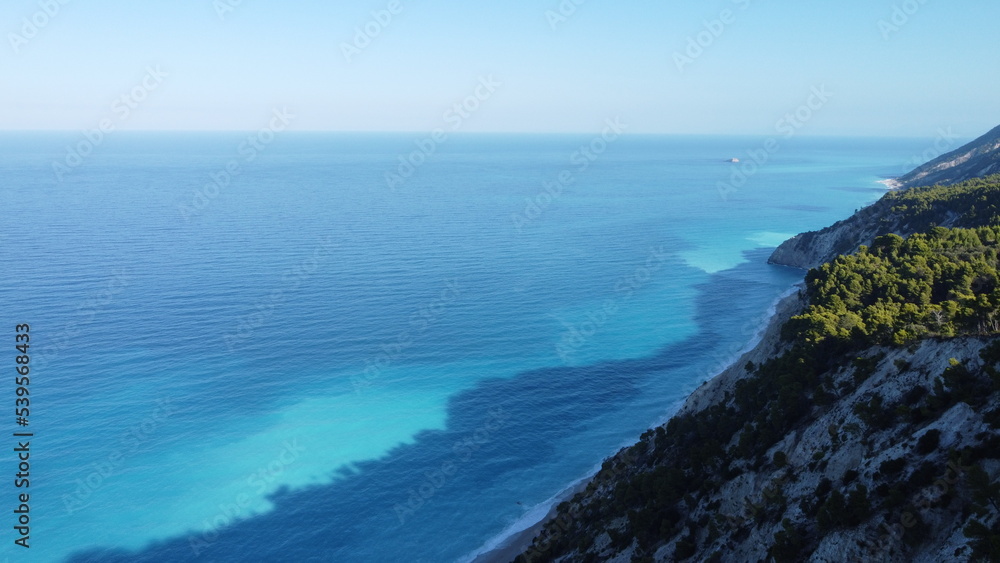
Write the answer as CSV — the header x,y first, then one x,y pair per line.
x,y
973,203
944,283
869,432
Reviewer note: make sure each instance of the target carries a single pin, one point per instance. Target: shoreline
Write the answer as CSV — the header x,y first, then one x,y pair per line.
x,y
891,184
518,537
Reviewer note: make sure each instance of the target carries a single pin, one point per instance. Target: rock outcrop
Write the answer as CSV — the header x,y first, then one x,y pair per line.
x,y
977,159
811,249
852,484
973,203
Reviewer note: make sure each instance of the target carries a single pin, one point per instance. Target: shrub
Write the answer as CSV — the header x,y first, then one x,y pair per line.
x,y
929,442
780,459
892,466
685,548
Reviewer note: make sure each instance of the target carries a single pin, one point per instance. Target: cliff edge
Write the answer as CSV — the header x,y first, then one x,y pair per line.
x,y
979,158
973,203
865,426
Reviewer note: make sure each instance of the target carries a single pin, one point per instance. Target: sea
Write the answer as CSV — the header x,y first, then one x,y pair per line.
x,y
362,347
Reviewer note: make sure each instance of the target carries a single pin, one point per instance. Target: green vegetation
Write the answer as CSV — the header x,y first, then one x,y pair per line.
x,y
974,203
971,204
788,543
929,442
944,283
985,540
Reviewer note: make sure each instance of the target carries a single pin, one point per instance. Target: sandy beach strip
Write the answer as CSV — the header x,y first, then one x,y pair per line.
x,y
891,184
513,542
518,538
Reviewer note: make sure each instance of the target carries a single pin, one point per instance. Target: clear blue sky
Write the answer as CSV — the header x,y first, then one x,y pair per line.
x,y
938,69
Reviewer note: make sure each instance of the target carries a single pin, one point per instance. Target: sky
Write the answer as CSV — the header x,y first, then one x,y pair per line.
x,y
851,67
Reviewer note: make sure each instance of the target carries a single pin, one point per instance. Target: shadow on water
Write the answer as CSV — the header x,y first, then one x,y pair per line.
x,y
366,507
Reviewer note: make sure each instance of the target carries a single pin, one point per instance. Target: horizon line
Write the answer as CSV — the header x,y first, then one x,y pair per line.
x,y
472,133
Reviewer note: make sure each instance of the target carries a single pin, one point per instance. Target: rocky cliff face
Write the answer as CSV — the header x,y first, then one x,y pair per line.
x,y
976,159
811,249
886,472
895,457
973,203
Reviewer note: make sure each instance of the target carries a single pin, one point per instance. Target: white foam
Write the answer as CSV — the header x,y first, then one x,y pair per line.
x,y
533,516
713,260
768,239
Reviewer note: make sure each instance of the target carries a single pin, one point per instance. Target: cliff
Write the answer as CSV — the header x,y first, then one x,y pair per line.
x,y
906,490
973,203
976,159
865,426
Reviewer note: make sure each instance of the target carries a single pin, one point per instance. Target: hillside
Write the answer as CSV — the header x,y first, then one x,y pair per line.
x,y
864,427
973,203
979,158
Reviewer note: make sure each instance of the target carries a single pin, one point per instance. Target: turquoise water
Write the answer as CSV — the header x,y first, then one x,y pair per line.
x,y
302,363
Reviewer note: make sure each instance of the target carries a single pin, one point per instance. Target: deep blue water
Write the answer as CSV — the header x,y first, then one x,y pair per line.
x,y
303,363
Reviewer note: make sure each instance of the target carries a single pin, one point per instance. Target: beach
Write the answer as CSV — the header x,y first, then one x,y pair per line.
x,y
519,536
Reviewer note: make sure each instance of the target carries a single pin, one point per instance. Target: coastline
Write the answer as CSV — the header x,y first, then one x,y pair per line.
x,y
518,537
891,184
